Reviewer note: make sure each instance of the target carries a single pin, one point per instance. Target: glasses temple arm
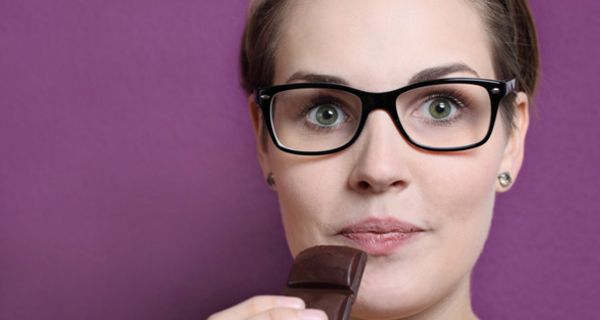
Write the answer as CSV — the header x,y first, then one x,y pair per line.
x,y
511,86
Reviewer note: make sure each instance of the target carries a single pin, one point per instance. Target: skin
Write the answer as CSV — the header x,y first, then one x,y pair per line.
x,y
378,46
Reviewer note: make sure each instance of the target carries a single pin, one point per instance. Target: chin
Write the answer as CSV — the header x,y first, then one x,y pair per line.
x,y
381,304
381,311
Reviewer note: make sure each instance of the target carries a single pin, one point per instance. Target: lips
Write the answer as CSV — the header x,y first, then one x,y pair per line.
x,y
380,237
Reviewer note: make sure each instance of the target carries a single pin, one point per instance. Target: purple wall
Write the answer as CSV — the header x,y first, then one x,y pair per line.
x,y
129,187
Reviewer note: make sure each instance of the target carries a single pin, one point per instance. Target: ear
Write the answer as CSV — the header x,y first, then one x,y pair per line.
x,y
512,158
259,131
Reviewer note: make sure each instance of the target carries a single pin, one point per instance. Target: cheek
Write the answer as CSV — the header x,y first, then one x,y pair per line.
x,y
306,190
458,193
461,185
455,184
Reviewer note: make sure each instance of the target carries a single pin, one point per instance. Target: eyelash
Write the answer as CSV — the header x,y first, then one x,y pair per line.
x,y
456,97
315,103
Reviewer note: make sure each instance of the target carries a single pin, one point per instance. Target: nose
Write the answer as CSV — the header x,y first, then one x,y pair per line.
x,y
381,163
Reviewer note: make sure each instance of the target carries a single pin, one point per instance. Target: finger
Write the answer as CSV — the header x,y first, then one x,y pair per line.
x,y
257,305
291,314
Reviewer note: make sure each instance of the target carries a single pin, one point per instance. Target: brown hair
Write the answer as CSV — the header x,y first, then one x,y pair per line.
x,y
514,46
509,22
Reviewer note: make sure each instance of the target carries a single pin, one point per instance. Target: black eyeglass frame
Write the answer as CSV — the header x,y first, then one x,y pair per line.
x,y
386,101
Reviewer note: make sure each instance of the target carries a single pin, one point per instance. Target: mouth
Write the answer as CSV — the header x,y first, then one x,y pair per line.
x,y
380,237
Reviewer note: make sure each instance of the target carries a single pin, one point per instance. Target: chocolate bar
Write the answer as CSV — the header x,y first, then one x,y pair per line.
x,y
327,278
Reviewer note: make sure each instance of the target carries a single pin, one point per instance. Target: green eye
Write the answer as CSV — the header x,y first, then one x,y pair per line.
x,y
325,115
440,108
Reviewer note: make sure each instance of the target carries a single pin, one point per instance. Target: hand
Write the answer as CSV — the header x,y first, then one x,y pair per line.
x,y
270,308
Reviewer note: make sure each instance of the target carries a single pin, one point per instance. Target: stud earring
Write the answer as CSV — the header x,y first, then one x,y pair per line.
x,y
505,179
270,180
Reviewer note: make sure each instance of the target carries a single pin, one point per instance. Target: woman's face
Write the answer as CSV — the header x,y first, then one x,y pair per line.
x,y
379,46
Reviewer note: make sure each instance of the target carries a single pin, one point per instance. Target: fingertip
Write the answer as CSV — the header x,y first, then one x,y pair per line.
x,y
313,314
291,302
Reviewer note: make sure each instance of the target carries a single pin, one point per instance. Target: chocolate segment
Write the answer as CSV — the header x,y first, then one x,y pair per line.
x,y
327,278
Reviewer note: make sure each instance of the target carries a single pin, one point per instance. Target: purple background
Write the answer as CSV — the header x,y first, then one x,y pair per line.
x,y
129,186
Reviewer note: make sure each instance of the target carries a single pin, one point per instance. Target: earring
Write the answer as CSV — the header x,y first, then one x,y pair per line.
x,y
504,179
270,180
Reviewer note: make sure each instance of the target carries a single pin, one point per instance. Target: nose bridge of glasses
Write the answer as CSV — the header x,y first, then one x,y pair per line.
x,y
385,101
380,101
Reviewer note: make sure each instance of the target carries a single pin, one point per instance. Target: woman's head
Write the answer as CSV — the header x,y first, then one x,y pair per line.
x,y
360,195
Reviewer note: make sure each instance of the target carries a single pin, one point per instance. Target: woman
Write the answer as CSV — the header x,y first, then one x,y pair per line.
x,y
376,125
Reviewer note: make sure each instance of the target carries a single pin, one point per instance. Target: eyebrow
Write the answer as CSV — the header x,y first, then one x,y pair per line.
x,y
314,77
441,71
433,73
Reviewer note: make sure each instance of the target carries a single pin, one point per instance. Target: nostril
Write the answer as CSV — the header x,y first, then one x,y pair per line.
x,y
398,184
363,185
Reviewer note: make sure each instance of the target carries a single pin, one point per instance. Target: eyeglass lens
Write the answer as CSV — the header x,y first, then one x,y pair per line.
x,y
437,116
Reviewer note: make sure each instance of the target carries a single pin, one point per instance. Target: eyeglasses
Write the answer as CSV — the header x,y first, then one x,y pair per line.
x,y
440,115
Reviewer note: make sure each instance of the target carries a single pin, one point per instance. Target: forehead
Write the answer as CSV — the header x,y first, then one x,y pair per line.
x,y
379,45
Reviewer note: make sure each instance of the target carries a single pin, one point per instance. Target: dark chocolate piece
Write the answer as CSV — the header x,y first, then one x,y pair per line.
x,y
327,278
